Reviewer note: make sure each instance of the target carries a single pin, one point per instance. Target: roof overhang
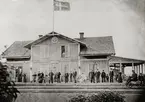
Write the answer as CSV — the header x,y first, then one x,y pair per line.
x,y
97,54
118,59
16,57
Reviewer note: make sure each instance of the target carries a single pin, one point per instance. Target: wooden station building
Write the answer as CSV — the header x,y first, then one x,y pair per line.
x,y
56,52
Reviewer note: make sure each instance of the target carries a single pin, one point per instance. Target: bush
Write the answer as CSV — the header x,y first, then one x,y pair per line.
x,y
8,92
100,97
78,98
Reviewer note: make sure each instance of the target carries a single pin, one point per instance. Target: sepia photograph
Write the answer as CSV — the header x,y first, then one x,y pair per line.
x,y
72,51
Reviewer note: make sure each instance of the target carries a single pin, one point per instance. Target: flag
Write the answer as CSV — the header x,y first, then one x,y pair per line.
x,y
61,5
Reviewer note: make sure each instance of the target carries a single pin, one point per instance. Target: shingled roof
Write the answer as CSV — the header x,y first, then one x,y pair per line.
x,y
17,50
98,45
118,59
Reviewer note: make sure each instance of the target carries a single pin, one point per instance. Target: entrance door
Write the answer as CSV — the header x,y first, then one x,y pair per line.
x,y
64,68
54,67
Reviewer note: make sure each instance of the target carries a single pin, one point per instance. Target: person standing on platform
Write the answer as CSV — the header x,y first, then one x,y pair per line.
x,y
107,77
141,79
31,77
97,74
120,77
116,76
55,77
34,77
103,75
75,76
91,76
25,78
51,76
111,74
42,77
39,75
13,73
71,76
58,77
66,77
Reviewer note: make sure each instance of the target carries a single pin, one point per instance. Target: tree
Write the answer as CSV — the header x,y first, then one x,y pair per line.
x,y
8,92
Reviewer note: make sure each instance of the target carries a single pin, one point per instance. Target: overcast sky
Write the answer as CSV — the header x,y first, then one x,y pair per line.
x,y
26,19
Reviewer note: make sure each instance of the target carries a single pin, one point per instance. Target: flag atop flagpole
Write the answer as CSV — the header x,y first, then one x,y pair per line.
x,y
61,5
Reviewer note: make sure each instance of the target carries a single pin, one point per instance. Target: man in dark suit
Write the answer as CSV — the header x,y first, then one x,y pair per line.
x,y
66,77
39,76
91,76
58,77
75,76
51,76
103,75
111,74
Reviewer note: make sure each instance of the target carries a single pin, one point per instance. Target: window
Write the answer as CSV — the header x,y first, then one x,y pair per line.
x,y
64,51
44,51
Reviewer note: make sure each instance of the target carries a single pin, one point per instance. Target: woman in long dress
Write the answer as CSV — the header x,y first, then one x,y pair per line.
x,y
82,78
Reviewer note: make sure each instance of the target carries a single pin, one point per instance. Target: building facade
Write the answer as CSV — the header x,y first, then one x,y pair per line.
x,y
58,53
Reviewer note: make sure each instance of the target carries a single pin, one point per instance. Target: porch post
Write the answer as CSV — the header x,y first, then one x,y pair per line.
x,y
123,69
120,67
108,65
133,66
142,68
135,69
139,70
79,63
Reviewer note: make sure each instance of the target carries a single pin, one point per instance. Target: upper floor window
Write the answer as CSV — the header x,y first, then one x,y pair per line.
x,y
64,51
44,51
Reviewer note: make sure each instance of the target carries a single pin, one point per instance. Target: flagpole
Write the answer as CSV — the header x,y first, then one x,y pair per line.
x,y
53,18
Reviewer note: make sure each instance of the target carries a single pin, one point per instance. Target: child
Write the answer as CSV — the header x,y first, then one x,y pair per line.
x,y
107,78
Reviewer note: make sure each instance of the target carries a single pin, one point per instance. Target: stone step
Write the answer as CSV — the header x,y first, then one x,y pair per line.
x,y
70,84
75,87
121,91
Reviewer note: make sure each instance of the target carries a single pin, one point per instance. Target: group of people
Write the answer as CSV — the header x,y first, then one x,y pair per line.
x,y
95,77
58,77
52,77
17,77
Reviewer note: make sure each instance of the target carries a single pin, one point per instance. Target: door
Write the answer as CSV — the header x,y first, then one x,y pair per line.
x,y
54,67
64,67
44,68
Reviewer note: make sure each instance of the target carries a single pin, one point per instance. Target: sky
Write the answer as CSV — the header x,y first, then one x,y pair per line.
x,y
123,19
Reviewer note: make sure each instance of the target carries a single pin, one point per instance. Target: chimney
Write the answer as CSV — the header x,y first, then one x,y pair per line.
x,y
40,36
81,35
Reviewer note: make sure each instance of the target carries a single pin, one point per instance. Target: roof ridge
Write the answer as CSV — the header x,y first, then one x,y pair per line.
x,y
96,37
